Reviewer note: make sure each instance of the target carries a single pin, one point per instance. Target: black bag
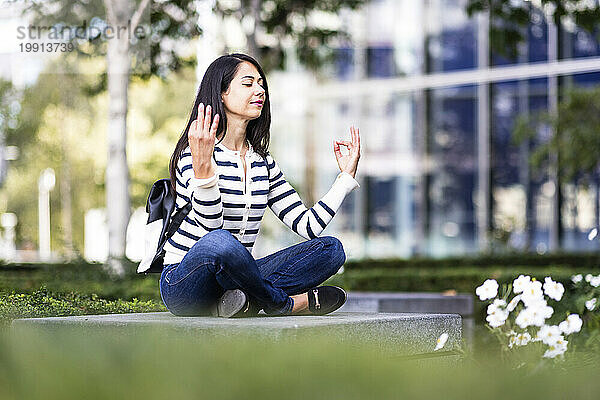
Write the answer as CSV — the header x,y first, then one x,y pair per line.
x,y
160,226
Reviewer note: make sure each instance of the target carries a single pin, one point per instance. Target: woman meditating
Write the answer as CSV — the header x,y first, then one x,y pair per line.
x,y
208,265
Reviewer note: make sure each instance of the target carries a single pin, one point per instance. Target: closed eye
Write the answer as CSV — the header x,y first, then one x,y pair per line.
x,y
249,85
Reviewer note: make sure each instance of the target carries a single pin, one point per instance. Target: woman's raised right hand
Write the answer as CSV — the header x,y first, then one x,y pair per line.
x,y
201,137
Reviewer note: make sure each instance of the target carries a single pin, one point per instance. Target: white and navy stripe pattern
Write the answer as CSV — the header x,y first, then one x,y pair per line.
x,y
225,201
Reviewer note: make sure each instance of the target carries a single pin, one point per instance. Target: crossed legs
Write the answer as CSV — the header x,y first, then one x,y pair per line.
x,y
219,262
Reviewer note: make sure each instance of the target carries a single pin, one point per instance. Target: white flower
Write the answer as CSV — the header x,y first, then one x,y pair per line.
x,y
554,290
540,313
532,293
513,303
543,308
522,339
591,304
521,283
595,281
549,334
552,352
496,305
577,278
497,315
561,344
571,324
441,341
524,319
497,318
557,348
488,290
536,314
588,277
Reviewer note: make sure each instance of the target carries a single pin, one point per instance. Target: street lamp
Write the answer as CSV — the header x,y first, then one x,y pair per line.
x,y
9,222
45,185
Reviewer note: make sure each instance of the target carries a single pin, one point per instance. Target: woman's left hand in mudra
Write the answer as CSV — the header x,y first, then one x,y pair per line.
x,y
349,162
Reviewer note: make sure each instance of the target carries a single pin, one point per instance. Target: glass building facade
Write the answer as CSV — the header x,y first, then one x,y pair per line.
x,y
440,173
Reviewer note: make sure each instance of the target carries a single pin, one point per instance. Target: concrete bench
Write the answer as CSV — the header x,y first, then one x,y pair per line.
x,y
410,302
394,302
401,334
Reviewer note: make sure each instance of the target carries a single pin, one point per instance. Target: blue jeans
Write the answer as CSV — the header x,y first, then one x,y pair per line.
x,y
218,262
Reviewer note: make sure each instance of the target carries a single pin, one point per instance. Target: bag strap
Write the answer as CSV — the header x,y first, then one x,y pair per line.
x,y
176,221
178,218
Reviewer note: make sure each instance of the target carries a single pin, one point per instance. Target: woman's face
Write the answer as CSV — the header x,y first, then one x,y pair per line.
x,y
245,96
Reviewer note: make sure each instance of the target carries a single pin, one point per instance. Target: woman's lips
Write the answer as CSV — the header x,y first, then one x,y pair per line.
x,y
258,103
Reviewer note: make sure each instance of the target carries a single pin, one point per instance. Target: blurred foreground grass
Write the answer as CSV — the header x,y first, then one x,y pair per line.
x,y
155,364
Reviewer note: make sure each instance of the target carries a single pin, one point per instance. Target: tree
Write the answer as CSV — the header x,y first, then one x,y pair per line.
x,y
59,125
55,117
289,21
118,61
509,19
576,142
8,111
165,21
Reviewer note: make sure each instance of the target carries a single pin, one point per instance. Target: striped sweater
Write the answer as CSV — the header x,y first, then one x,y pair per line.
x,y
236,203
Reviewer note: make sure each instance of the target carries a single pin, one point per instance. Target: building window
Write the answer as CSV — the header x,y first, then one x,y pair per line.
x,y
452,189
380,205
380,62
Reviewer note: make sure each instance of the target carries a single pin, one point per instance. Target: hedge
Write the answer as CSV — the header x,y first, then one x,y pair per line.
x,y
462,279
573,260
44,303
428,275
81,277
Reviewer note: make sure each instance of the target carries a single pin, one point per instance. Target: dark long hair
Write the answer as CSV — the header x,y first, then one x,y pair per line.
x,y
216,80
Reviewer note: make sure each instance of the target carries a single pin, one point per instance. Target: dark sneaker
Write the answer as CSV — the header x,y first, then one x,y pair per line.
x,y
325,299
232,303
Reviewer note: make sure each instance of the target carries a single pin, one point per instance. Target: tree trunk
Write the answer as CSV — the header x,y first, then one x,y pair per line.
x,y
65,200
117,173
251,37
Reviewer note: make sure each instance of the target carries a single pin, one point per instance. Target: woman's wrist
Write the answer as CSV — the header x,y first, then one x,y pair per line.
x,y
203,170
347,181
351,173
